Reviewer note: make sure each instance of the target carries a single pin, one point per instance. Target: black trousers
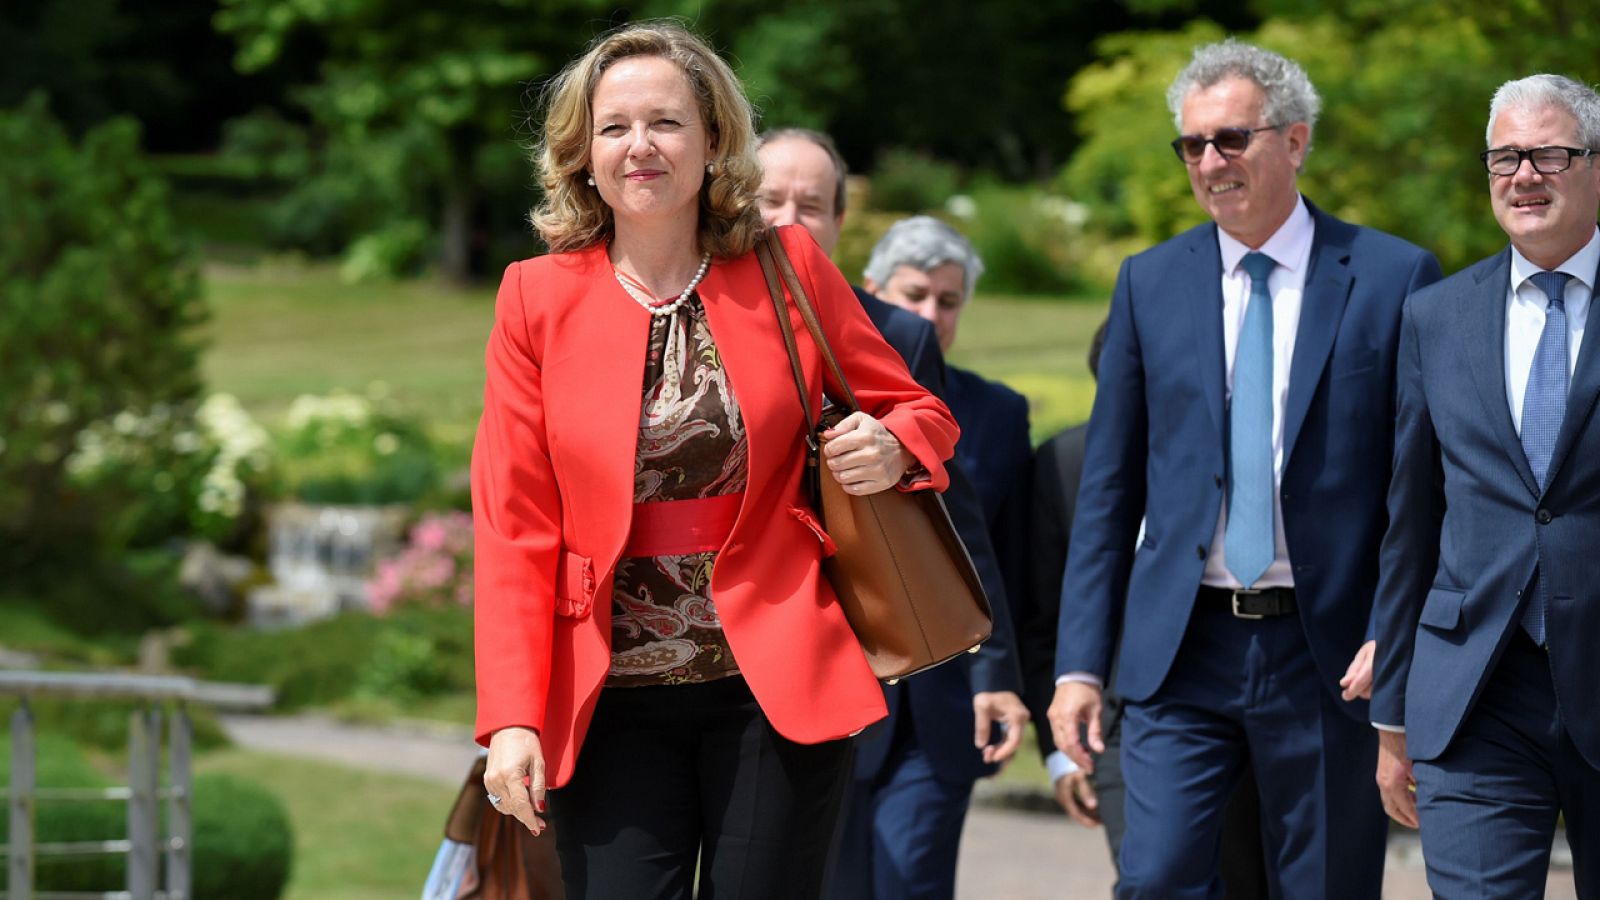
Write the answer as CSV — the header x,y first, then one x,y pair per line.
x,y
677,776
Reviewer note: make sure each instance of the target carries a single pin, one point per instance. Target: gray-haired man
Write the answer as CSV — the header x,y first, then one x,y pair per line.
x,y
1244,414
1487,611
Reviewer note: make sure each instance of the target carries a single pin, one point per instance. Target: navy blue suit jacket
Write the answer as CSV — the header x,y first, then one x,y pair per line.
x,y
940,700
1469,522
996,452
1157,439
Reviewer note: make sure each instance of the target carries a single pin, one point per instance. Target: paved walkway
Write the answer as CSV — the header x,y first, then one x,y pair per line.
x,y
1005,854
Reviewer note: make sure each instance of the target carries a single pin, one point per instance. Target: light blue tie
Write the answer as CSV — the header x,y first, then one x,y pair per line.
x,y
1248,541
1544,405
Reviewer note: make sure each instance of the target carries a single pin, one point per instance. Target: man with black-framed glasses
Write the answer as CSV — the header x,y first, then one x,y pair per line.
x,y
1488,607
1244,415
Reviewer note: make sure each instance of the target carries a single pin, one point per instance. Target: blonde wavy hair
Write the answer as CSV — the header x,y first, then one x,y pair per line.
x,y
573,216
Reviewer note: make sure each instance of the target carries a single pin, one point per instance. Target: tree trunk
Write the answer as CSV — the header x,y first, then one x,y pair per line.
x,y
455,260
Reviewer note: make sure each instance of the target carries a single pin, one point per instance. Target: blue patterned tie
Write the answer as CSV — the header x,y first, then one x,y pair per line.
x,y
1248,541
1544,405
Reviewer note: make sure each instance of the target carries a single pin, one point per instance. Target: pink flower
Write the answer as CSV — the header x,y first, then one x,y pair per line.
x,y
434,569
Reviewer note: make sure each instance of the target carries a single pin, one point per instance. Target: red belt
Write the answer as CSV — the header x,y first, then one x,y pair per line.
x,y
680,527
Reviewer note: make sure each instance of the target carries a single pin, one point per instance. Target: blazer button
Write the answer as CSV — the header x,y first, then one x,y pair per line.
x,y
1200,552
1217,480
1543,517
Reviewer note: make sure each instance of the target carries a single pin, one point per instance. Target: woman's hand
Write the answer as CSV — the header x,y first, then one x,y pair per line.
x,y
864,456
514,776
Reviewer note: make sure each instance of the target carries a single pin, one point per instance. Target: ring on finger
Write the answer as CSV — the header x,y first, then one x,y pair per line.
x,y
494,799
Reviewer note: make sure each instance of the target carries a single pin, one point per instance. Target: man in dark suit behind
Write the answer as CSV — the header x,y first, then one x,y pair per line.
x,y
1249,360
885,849
927,268
1489,604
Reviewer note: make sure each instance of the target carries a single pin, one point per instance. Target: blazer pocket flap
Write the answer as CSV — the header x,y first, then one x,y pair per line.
x,y
809,519
1442,609
575,585
1355,363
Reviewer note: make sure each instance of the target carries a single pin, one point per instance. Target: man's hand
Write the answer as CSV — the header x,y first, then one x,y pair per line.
x,y
1076,795
1076,705
1002,708
1395,782
1357,680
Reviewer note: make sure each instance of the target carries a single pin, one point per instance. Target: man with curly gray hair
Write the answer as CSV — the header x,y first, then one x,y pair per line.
x,y
1243,418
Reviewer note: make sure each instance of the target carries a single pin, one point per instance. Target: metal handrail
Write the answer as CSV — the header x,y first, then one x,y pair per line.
x,y
144,846
115,686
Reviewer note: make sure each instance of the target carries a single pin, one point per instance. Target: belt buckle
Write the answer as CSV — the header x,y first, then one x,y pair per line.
x,y
1245,593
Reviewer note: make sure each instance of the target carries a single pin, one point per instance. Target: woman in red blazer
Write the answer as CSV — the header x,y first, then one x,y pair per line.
x,y
655,641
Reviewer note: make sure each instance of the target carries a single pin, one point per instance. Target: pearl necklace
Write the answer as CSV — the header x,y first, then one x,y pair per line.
x,y
650,303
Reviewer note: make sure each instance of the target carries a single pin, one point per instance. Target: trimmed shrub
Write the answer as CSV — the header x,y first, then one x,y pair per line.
x,y
243,844
909,182
412,652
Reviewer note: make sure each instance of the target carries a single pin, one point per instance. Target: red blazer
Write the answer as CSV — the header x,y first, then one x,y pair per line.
x,y
552,491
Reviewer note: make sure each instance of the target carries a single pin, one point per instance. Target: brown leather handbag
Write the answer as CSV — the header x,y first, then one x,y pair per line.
x,y
901,572
510,863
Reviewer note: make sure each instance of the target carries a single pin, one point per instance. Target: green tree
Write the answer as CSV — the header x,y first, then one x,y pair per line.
x,y
1405,88
98,304
416,102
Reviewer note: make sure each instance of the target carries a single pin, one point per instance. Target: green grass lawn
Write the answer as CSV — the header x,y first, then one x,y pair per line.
x,y
283,329
358,834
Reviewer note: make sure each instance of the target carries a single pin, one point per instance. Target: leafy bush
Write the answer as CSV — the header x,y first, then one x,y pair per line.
x,y
352,448
909,182
340,657
172,474
242,840
1030,241
98,303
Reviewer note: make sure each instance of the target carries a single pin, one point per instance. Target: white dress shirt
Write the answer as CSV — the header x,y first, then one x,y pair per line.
x,y
1525,312
1290,248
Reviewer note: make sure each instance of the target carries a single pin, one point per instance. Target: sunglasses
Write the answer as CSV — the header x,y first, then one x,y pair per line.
x,y
1230,142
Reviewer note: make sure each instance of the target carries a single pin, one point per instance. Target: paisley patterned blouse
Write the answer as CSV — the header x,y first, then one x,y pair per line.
x,y
664,624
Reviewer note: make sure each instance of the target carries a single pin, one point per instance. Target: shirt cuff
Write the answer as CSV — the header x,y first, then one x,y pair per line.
x,y
1060,766
1080,678
1397,729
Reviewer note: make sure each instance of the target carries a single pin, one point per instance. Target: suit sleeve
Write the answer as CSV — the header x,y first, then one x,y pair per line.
x,y
1410,552
877,374
516,515
1009,529
1111,498
994,667
1050,525
1424,271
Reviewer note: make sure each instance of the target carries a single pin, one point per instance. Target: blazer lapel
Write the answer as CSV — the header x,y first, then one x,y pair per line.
x,y
1205,309
1322,303
607,395
1581,395
1484,330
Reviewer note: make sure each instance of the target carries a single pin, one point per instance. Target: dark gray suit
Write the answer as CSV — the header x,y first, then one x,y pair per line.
x,y
1506,735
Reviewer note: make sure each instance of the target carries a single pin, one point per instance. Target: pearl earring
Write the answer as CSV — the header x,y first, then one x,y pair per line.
x,y
711,168
591,180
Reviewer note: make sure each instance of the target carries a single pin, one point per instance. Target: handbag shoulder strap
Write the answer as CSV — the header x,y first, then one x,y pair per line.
x,y
809,313
775,290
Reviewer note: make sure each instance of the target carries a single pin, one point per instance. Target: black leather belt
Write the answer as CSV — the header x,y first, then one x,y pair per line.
x,y
1265,603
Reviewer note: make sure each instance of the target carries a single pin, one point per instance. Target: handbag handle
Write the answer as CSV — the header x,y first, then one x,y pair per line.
x,y
775,291
775,253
